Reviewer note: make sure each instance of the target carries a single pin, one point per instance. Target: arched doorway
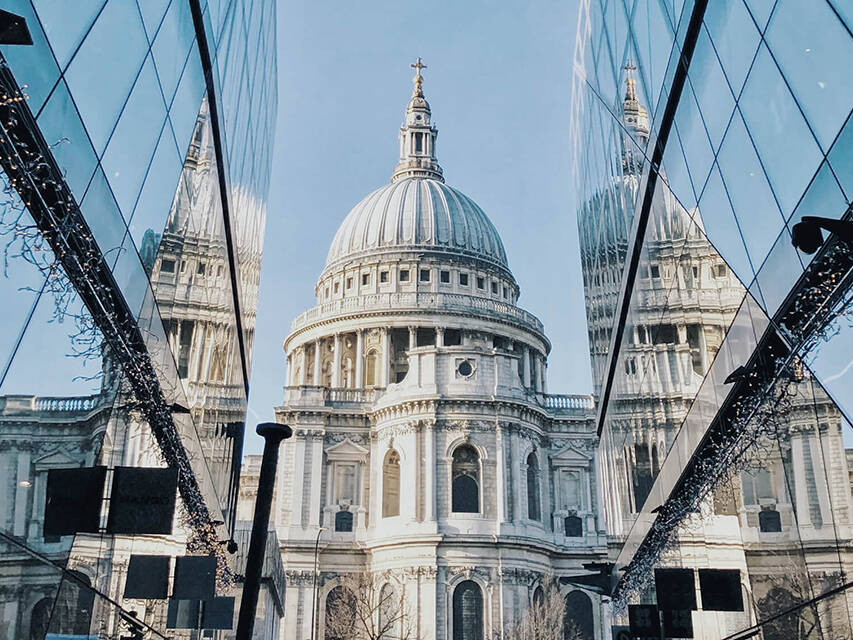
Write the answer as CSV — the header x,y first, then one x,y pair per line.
x,y
466,475
340,615
578,623
467,611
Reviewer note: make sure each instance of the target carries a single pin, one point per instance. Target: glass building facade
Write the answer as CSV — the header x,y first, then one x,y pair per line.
x,y
703,132
136,149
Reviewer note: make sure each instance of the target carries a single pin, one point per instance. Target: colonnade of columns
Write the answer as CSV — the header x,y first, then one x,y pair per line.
x,y
532,363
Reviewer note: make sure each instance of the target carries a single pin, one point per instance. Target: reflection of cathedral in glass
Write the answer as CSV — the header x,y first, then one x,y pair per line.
x,y
425,441
785,521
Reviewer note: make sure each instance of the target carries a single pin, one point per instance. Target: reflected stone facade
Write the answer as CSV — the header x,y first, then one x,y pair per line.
x,y
685,227
426,449
131,243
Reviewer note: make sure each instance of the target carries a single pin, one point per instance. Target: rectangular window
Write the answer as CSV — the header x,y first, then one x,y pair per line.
x,y
452,337
365,279
327,292
337,286
505,293
183,266
201,267
444,276
345,482
481,283
349,283
720,271
424,275
630,366
463,279
383,276
219,271
167,266
495,288
655,271
404,275
695,272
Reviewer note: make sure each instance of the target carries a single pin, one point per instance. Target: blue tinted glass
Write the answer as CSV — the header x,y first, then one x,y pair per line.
x,y
809,44
34,67
735,39
721,227
152,15
61,127
172,44
712,94
777,127
841,158
158,191
66,24
845,10
823,198
755,209
760,10
98,77
132,143
187,102
103,217
130,276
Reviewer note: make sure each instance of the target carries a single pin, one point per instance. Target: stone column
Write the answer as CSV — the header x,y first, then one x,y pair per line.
x,y
544,374
525,366
500,472
303,370
318,359
537,373
289,361
359,359
386,356
429,470
439,336
336,362
413,337
514,468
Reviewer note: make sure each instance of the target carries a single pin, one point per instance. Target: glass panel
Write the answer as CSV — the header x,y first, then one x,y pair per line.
x,y
757,215
808,42
131,145
101,80
841,158
104,219
734,37
171,45
66,24
777,126
152,15
184,109
60,125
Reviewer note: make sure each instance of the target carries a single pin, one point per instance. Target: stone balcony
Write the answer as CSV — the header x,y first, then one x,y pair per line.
x,y
29,405
569,404
342,398
419,301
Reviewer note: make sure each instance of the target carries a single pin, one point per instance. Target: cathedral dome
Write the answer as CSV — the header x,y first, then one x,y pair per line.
x,y
418,214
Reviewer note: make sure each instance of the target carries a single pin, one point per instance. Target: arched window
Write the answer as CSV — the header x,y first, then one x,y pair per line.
x,y
391,484
538,596
340,615
573,526
769,521
343,521
467,611
72,612
388,611
466,480
371,369
40,618
533,510
578,622
327,373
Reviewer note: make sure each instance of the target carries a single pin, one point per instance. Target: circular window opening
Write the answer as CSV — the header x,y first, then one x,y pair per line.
x,y
465,368
417,117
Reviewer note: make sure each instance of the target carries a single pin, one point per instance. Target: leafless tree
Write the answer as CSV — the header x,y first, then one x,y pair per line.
x,y
545,619
366,606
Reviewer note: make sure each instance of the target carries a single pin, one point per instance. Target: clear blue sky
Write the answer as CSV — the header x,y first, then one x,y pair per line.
x,y
499,84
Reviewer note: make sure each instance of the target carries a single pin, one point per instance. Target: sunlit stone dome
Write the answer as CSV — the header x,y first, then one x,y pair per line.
x,y
417,211
417,214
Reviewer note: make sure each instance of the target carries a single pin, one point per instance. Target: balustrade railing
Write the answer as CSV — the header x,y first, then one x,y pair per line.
x,y
418,300
569,402
73,403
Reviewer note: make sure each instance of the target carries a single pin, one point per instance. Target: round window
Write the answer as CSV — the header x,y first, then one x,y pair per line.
x,y
465,368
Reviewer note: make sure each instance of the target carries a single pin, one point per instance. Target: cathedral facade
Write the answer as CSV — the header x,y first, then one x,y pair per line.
x,y
427,452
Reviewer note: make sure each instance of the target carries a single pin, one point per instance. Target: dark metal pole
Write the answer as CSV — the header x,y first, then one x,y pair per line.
x,y
272,434
314,599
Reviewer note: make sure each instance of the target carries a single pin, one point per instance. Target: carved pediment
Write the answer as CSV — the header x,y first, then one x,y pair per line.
x,y
347,450
57,460
570,455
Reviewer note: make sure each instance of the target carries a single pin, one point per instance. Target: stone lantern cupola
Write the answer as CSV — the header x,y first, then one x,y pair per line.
x,y
417,137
